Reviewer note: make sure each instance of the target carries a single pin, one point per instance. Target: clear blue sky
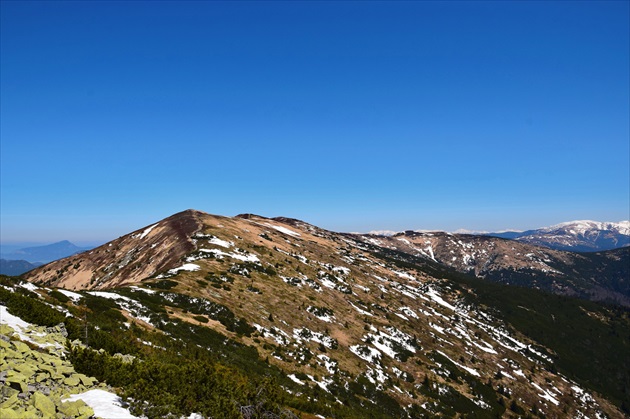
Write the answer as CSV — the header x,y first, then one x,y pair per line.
x,y
353,116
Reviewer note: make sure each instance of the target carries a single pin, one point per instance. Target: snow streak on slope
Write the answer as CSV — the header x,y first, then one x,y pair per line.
x,y
104,404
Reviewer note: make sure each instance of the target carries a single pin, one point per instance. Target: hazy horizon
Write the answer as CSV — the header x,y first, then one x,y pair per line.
x,y
352,116
17,244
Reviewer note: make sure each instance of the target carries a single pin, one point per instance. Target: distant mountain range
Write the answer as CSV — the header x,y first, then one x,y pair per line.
x,y
46,253
586,259
573,236
576,236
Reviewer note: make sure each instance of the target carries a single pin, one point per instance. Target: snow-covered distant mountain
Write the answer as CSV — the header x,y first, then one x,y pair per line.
x,y
382,232
578,236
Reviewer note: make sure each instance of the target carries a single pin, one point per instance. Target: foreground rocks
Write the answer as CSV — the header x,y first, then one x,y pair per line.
x,y
36,378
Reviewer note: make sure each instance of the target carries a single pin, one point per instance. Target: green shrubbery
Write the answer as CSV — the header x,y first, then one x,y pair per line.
x,y
157,301
28,307
562,324
163,284
181,383
62,298
25,304
201,319
578,332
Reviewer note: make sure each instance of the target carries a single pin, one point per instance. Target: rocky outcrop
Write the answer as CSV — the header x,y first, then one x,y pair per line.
x,y
36,379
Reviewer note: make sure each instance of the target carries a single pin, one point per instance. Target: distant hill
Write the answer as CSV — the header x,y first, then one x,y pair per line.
x,y
16,267
597,276
46,253
576,236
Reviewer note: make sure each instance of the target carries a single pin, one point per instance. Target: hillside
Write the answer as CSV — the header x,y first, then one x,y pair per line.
x,y
598,276
128,259
329,324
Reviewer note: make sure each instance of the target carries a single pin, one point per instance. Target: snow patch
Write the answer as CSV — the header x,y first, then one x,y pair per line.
x,y
135,288
144,233
283,230
404,275
219,242
295,379
72,295
366,313
190,267
470,370
105,404
28,286
366,353
14,322
408,312
246,257
20,327
330,365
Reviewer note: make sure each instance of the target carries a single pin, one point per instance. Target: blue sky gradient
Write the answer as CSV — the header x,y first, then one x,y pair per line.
x,y
353,116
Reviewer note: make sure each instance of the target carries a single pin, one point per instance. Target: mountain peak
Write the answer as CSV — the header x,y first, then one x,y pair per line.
x,y
580,235
188,213
64,242
248,216
132,257
622,227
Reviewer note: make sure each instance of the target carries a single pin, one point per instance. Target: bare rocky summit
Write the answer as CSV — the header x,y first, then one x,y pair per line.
x,y
128,259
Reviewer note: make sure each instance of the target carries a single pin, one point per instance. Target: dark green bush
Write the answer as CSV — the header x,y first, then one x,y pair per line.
x,y
59,296
163,284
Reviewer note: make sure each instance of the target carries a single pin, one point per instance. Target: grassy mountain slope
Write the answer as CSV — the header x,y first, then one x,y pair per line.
x,y
601,276
329,324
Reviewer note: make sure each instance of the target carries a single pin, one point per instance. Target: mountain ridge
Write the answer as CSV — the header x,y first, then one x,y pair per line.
x,y
517,263
172,234
138,255
347,318
579,236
